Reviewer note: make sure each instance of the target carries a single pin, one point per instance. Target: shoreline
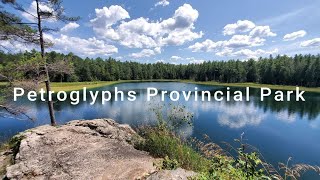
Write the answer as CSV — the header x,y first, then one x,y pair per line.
x,y
73,86
255,85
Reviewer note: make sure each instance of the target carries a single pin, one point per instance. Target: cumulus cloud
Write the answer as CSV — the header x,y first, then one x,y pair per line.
x,y
184,60
254,54
160,61
225,52
175,58
294,35
238,44
192,60
162,3
70,26
83,47
255,37
236,41
262,31
196,61
146,53
239,26
240,41
143,33
311,43
15,46
205,46
90,47
106,17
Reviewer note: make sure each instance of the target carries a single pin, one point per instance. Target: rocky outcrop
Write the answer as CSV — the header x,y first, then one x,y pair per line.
x,y
171,174
95,149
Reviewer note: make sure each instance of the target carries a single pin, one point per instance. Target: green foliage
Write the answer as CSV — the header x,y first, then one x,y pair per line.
x,y
246,166
167,163
172,117
161,143
301,70
14,144
179,153
11,148
208,159
12,28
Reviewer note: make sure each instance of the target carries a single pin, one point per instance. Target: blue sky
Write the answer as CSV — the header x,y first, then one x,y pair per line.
x,y
186,31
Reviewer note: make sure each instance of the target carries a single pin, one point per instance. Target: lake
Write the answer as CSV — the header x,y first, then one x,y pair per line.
x,y
278,129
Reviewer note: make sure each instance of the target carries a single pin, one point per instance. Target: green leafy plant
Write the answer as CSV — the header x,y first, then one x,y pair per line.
x,y
170,164
208,159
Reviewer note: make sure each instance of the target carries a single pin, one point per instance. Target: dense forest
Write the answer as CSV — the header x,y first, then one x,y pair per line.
x,y
302,70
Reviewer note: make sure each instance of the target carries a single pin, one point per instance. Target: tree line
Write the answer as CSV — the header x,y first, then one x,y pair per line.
x,y
301,70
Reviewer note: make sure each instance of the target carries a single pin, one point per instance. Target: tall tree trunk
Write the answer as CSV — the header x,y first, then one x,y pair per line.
x,y
50,103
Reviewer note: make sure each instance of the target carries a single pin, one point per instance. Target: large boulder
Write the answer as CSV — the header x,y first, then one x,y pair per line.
x,y
95,149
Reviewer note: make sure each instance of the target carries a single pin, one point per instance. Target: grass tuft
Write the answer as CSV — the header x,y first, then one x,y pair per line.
x,y
161,144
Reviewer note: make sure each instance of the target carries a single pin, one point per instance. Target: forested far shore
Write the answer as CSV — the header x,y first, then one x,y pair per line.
x,y
301,70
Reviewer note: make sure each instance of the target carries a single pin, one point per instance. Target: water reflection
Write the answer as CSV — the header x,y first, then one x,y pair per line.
x,y
290,128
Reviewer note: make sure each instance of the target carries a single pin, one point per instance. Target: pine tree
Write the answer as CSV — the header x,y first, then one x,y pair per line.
x,y
54,12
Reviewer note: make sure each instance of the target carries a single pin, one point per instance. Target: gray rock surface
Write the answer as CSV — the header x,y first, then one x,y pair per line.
x,y
177,174
95,149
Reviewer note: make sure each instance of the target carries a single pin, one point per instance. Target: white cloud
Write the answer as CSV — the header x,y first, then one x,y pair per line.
x,y
238,44
162,3
236,41
206,46
15,46
182,60
196,61
262,31
239,26
240,41
225,52
311,43
90,47
255,37
247,53
192,60
143,33
157,50
31,12
175,58
106,17
294,35
146,53
70,26
160,61
83,47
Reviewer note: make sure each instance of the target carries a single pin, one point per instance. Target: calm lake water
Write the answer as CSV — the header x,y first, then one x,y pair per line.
x,y
278,130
